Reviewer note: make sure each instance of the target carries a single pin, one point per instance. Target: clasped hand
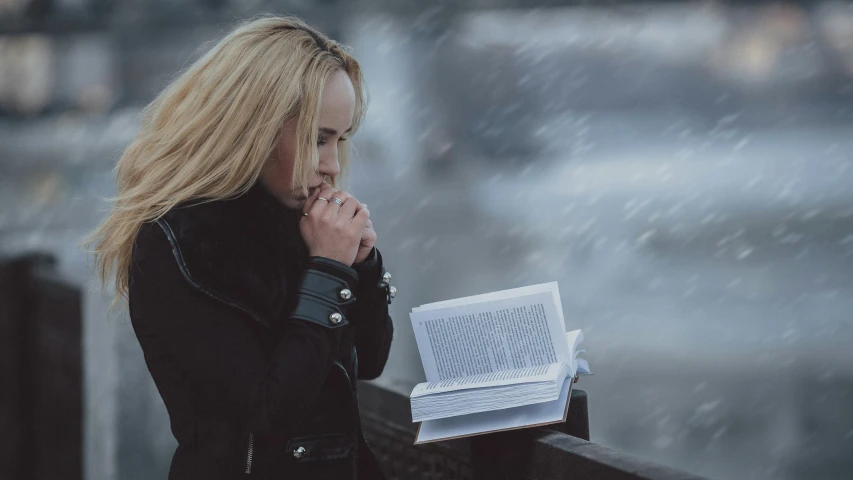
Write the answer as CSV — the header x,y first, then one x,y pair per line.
x,y
339,232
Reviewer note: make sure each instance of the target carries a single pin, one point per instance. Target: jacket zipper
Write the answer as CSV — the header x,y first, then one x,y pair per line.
x,y
249,453
355,407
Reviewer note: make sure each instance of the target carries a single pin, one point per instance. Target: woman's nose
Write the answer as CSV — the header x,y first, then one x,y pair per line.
x,y
330,167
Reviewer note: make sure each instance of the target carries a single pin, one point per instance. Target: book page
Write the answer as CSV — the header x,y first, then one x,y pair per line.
x,y
574,338
538,373
487,297
490,336
497,420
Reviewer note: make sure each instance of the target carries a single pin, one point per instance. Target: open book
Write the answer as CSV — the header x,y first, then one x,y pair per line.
x,y
496,361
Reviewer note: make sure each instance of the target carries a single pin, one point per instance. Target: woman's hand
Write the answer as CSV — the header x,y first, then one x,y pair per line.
x,y
368,239
335,231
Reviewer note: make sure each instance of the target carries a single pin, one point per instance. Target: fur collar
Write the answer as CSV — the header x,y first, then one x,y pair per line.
x,y
243,251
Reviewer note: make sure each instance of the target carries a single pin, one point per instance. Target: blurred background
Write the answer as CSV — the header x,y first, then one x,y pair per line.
x,y
683,169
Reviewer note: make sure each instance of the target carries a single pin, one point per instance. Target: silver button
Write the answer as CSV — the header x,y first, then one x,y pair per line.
x,y
386,279
335,318
346,294
298,452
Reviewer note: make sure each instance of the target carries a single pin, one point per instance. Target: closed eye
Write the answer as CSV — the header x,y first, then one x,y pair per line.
x,y
322,141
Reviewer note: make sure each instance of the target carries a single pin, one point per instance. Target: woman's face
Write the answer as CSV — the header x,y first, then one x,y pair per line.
x,y
336,112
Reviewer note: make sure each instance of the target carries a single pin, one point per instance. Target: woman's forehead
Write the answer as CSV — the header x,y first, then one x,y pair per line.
x,y
338,103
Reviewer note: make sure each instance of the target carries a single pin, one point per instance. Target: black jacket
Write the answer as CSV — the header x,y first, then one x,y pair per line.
x,y
252,344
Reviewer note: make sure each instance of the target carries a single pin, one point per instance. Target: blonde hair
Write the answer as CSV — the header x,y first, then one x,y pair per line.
x,y
208,134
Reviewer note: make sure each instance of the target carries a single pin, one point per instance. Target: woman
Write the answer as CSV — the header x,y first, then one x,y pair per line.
x,y
253,282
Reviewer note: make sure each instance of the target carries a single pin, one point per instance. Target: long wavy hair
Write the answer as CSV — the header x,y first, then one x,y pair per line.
x,y
208,134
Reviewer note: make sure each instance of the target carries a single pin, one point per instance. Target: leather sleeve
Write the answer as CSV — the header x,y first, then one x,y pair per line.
x,y
216,348
327,288
374,328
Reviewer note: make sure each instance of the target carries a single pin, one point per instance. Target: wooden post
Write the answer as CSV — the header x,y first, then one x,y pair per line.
x,y
40,323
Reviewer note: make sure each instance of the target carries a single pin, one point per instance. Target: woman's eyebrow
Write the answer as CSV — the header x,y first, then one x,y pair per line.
x,y
332,131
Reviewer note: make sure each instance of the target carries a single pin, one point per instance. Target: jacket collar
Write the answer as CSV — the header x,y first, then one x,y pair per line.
x,y
239,250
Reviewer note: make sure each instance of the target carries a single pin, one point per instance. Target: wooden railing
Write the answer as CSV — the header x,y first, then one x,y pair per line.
x,y
553,452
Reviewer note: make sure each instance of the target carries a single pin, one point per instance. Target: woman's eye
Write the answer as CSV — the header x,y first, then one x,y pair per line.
x,y
322,141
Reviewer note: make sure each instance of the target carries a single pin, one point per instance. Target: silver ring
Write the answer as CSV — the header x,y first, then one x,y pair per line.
x,y
337,200
321,198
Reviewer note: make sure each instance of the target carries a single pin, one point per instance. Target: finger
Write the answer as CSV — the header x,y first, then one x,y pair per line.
x,y
368,237
340,195
349,208
311,200
358,205
334,208
327,191
361,206
321,206
361,217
